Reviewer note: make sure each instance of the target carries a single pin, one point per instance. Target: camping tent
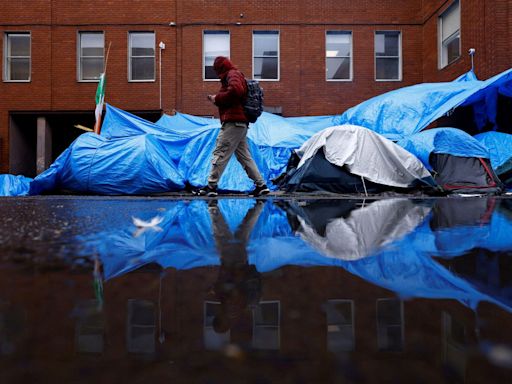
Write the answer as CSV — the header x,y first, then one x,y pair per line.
x,y
499,145
349,158
460,162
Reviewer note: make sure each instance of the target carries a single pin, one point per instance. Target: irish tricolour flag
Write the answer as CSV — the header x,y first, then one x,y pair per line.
x,y
100,97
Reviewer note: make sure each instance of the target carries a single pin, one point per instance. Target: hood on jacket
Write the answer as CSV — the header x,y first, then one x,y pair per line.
x,y
222,65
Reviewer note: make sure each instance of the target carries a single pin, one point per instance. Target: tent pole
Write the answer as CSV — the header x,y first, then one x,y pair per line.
x,y
364,186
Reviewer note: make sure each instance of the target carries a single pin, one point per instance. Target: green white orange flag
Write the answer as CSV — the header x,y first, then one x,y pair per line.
x,y
100,98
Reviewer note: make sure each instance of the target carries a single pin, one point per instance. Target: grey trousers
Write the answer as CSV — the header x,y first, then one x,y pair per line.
x,y
232,139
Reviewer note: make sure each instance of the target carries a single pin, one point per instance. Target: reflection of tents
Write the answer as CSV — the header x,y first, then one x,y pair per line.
x,y
459,161
361,232
349,158
404,264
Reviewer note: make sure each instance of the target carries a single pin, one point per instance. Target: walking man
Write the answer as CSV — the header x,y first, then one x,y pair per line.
x,y
232,136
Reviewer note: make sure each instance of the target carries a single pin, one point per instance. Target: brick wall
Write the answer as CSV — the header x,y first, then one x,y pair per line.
x,y
302,89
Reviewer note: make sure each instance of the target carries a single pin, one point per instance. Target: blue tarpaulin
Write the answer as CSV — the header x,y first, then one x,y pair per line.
x,y
499,145
450,141
406,265
405,111
134,156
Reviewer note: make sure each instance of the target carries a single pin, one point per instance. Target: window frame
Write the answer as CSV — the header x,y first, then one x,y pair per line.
x,y
381,344
375,57
79,56
130,34
277,327
351,57
6,72
441,42
219,32
352,323
278,33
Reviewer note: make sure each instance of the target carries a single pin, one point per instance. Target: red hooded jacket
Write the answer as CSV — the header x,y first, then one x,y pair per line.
x,y
232,92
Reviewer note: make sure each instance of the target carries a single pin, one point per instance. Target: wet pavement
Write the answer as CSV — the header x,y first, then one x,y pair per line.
x,y
239,290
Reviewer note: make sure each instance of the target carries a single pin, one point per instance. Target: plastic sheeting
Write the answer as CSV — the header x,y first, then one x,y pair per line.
x,y
134,156
405,111
499,145
404,264
366,154
11,185
450,141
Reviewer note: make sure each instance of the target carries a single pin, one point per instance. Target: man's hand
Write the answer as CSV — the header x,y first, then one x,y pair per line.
x,y
211,98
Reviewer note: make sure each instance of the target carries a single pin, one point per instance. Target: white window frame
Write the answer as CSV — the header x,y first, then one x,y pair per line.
x,y
400,77
218,31
440,42
6,73
130,34
278,33
79,56
351,57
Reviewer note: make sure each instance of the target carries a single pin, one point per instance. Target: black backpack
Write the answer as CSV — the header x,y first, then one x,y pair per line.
x,y
253,103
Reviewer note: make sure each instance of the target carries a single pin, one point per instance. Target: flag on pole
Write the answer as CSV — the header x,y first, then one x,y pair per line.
x,y
100,98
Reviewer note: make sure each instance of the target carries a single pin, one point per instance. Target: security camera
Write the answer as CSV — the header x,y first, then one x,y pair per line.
x,y
471,51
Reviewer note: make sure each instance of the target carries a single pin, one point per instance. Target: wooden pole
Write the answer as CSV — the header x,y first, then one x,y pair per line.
x,y
97,125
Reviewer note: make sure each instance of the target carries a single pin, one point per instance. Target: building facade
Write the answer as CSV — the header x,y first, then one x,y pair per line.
x,y
312,57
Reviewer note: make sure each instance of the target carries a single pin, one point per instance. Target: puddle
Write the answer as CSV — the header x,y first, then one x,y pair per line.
x,y
245,290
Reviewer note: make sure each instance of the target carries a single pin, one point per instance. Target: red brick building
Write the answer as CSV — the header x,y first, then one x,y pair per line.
x,y
312,57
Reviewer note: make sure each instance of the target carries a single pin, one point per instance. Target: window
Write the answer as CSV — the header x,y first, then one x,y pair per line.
x,y
387,56
449,35
390,325
265,333
340,325
455,345
265,48
142,56
17,57
215,43
211,338
141,329
338,55
90,55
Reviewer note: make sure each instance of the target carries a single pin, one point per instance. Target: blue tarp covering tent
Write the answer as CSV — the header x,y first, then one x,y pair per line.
x,y
460,162
135,156
499,145
451,141
405,111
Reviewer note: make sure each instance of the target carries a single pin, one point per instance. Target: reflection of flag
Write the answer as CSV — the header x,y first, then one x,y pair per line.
x,y
100,97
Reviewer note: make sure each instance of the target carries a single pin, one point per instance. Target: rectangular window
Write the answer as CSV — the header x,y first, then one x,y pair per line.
x,y
338,55
215,43
388,66
266,322
142,56
340,325
390,325
90,55
449,35
17,56
265,50
141,327
214,339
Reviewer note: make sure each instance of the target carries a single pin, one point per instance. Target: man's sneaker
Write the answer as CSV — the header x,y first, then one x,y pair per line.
x,y
206,191
261,190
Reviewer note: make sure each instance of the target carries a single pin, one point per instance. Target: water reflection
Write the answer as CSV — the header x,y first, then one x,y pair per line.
x,y
244,285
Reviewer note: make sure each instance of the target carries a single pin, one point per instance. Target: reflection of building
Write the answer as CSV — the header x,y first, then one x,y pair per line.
x,y
59,47
306,317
